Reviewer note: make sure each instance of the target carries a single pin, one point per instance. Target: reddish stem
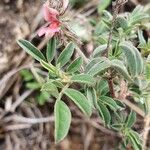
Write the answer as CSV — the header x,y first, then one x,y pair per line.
x,y
111,88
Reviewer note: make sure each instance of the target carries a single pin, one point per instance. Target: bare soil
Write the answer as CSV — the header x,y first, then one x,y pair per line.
x,y
20,19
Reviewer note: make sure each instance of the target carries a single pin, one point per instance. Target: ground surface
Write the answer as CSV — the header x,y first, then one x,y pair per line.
x,y
20,19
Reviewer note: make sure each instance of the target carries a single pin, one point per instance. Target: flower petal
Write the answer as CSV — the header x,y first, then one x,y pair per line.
x,y
42,31
54,25
52,30
50,14
49,34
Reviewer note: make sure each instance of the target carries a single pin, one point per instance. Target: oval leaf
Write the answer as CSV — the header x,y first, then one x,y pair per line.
x,y
109,102
120,68
103,5
52,70
33,85
136,137
139,60
131,119
92,63
92,97
51,88
121,22
116,127
130,57
83,78
134,58
99,67
47,66
75,65
104,113
136,145
31,50
80,100
137,15
51,47
102,87
66,54
62,120
99,50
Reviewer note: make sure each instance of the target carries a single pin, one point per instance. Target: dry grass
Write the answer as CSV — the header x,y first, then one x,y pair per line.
x,y
23,124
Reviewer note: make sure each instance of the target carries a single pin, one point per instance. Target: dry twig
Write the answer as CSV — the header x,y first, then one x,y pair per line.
x,y
20,100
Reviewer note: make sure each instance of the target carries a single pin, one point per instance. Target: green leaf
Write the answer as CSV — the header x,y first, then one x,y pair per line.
x,y
51,88
131,119
26,74
81,30
75,65
31,50
121,22
120,104
99,50
83,78
130,57
51,47
148,71
145,48
134,58
137,15
43,97
58,83
120,68
102,87
99,67
139,60
116,127
136,137
107,15
92,63
33,85
133,139
104,113
107,20
92,97
109,102
62,120
52,70
100,27
102,38
133,143
80,100
103,5
141,37
66,54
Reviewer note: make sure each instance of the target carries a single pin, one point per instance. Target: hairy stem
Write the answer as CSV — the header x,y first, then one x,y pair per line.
x,y
116,6
111,88
115,13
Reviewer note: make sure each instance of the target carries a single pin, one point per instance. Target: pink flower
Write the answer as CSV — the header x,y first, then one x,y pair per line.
x,y
53,26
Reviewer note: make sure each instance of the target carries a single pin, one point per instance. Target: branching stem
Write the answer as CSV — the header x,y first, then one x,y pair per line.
x,y
116,6
62,91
